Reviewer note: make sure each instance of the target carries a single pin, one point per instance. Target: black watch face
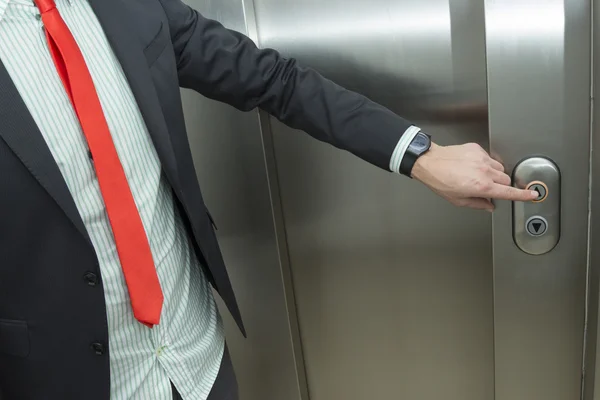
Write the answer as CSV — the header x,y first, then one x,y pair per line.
x,y
420,143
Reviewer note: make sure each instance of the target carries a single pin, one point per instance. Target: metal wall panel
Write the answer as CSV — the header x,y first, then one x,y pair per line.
x,y
228,153
539,85
400,295
591,380
393,285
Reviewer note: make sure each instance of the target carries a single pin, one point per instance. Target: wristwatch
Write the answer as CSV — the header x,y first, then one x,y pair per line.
x,y
419,146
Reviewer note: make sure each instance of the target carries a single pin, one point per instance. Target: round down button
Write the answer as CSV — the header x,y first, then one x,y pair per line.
x,y
537,226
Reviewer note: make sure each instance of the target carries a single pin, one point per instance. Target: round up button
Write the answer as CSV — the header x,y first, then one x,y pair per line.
x,y
541,188
536,226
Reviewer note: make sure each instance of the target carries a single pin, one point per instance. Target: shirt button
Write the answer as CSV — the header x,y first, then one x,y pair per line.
x,y
38,17
90,278
160,350
98,348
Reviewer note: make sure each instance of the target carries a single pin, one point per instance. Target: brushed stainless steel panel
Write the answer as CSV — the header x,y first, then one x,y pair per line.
x,y
393,285
538,56
591,378
230,160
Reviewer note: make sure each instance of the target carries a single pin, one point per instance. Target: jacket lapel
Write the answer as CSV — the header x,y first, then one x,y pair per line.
x,y
20,132
113,17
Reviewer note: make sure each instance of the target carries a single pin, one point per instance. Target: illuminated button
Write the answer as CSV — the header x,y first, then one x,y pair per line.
x,y
539,187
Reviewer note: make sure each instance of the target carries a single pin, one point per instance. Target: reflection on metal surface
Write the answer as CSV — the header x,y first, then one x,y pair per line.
x,y
229,158
399,294
392,20
530,217
527,20
538,90
393,285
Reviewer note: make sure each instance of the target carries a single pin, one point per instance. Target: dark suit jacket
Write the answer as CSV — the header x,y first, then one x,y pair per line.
x,y
53,328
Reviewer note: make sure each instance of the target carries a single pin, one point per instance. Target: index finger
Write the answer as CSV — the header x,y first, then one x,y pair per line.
x,y
502,192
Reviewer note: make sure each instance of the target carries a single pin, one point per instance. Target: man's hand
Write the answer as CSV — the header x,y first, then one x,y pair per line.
x,y
467,176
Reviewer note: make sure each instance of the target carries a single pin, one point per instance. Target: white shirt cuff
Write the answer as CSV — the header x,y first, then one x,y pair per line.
x,y
401,148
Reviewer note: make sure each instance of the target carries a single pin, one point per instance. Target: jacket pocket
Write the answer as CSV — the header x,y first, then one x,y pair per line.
x,y
14,338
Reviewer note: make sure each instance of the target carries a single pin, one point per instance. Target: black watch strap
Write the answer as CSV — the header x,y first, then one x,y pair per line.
x,y
420,144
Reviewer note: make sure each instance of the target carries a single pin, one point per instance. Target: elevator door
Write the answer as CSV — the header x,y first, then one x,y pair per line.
x,y
400,295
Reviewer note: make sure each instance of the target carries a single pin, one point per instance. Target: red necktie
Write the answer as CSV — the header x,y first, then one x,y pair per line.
x,y
130,237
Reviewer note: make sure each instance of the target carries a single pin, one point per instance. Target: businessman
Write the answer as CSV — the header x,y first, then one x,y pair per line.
x,y
107,250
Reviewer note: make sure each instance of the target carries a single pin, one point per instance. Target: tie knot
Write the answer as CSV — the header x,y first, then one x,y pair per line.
x,y
45,5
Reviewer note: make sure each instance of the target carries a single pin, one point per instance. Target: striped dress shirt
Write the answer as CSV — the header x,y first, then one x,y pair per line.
x,y
187,347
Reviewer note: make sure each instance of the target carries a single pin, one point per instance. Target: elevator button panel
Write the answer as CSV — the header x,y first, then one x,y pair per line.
x,y
536,224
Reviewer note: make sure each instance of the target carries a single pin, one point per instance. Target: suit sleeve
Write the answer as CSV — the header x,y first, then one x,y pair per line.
x,y
225,65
